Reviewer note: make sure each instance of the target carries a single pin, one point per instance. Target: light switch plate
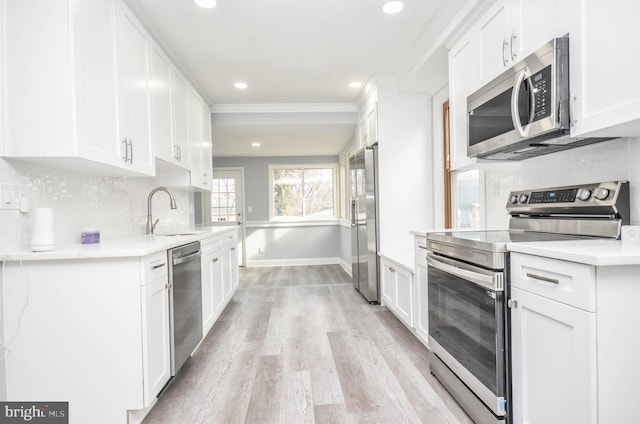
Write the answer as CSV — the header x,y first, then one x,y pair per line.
x,y
10,196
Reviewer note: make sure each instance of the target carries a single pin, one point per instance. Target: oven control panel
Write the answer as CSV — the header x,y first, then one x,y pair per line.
x,y
568,198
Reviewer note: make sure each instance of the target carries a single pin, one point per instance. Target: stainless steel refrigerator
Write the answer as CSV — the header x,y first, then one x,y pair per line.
x,y
363,171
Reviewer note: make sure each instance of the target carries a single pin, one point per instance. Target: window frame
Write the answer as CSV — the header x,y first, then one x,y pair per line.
x,y
334,187
342,188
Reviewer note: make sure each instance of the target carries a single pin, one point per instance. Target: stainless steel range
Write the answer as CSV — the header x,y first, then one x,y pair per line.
x,y
468,282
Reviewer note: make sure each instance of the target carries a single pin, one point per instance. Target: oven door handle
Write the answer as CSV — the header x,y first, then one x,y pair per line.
x,y
494,281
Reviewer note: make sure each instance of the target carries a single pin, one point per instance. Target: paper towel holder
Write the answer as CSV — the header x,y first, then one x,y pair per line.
x,y
42,238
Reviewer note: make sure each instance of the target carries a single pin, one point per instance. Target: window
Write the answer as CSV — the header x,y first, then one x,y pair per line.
x,y
466,192
302,191
223,200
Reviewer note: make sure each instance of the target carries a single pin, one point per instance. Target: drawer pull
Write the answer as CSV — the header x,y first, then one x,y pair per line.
x,y
422,247
160,265
541,278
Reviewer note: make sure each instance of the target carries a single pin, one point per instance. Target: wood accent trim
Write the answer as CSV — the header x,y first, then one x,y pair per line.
x,y
447,164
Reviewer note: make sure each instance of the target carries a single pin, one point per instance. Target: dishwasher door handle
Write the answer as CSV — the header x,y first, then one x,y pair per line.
x,y
186,258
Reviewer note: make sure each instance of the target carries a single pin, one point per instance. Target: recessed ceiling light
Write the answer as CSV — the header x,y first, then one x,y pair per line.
x,y
392,7
240,85
207,4
256,144
355,84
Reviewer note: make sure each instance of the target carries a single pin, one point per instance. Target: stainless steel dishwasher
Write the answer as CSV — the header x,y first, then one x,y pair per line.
x,y
185,302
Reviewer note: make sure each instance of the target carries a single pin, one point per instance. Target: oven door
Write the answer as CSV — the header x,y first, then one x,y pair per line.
x,y
467,326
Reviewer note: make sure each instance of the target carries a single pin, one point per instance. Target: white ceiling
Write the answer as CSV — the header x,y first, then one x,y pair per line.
x,y
288,51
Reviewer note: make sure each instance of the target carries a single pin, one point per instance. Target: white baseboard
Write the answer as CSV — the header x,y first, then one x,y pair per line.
x,y
251,263
345,266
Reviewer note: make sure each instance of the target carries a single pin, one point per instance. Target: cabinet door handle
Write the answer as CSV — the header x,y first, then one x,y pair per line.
x,y
505,43
543,278
125,150
513,39
392,269
233,248
422,247
180,153
131,147
214,260
160,265
572,105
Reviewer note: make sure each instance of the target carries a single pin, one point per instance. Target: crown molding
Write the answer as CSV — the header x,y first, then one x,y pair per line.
x,y
284,108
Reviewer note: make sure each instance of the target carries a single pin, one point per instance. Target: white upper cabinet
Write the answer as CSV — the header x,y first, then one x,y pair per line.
x,y
368,117
180,105
512,29
169,110
206,147
200,142
132,58
604,68
494,35
62,59
535,23
462,82
161,122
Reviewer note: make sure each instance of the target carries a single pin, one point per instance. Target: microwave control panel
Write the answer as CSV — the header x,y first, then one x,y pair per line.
x,y
540,86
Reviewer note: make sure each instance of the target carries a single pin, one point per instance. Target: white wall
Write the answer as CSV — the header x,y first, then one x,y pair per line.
x,y
610,160
404,156
280,243
116,206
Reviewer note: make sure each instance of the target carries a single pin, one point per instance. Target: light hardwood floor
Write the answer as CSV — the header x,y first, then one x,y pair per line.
x,y
301,345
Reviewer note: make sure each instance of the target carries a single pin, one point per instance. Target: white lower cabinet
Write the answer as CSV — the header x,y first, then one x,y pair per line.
x,y
95,331
397,290
156,349
574,341
212,287
219,277
554,363
421,300
387,283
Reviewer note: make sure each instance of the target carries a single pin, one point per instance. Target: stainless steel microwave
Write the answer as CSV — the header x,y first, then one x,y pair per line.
x,y
524,112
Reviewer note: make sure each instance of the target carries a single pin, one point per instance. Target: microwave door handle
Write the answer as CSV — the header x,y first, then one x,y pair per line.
x,y
515,96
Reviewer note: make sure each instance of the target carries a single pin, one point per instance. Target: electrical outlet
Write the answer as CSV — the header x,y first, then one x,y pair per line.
x,y
10,196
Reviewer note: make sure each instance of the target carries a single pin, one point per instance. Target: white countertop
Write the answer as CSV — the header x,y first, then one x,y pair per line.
x,y
142,245
591,252
403,259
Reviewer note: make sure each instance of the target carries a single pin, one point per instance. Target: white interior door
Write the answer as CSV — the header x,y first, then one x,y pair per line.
x,y
227,203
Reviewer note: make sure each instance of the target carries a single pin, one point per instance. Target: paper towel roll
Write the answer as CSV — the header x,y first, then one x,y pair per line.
x,y
42,238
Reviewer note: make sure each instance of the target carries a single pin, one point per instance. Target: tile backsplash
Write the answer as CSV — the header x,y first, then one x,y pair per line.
x,y
607,161
116,206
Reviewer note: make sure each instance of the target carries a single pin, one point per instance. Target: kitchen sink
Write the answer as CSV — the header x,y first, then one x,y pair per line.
x,y
182,233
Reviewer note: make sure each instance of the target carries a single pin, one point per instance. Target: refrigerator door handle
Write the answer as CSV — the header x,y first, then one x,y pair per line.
x,y
353,213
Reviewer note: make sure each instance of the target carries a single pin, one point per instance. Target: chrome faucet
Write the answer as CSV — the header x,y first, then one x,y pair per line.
x,y
150,224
